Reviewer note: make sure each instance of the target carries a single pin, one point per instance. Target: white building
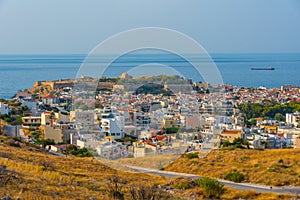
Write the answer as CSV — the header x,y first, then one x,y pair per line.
x,y
112,150
110,127
221,119
50,99
293,118
4,109
30,103
112,124
85,120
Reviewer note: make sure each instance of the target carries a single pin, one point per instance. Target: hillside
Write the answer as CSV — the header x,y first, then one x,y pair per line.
x,y
152,88
28,172
278,167
31,173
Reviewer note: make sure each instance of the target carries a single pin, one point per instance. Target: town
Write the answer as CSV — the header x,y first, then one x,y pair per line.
x,y
159,116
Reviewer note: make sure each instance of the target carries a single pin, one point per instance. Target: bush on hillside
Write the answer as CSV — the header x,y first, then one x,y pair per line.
x,y
212,188
235,176
145,192
192,155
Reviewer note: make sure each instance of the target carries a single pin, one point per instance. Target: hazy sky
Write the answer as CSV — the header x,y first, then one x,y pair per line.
x,y
77,26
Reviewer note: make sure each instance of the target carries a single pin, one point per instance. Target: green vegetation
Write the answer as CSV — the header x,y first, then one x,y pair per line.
x,y
7,118
99,106
127,139
112,80
184,183
84,152
152,88
235,176
19,119
170,130
237,143
192,155
24,108
36,136
155,79
211,187
268,110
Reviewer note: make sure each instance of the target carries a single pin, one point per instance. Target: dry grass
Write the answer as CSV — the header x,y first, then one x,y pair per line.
x,y
154,162
38,175
250,194
270,167
43,176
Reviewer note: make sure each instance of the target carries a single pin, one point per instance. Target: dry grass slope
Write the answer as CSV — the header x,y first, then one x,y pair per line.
x,y
31,173
38,175
269,167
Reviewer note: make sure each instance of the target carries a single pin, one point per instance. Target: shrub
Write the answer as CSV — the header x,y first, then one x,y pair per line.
x,y
84,152
144,192
226,143
211,187
192,155
115,187
14,143
235,176
48,142
184,183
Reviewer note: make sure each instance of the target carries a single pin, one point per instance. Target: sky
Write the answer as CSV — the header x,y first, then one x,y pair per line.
x,y
220,26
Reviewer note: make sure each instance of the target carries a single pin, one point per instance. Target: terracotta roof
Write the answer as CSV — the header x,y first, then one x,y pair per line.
x,y
232,132
280,134
49,97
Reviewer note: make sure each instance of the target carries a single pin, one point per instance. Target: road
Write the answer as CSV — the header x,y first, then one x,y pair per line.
x,y
240,186
57,154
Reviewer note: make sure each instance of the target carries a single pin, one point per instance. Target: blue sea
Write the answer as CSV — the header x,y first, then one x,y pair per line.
x,y
21,71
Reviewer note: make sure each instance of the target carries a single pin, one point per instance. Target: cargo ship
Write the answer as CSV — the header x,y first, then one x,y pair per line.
x,y
263,68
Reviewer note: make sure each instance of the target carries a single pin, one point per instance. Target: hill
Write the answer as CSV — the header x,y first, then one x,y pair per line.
x,y
28,172
279,167
152,88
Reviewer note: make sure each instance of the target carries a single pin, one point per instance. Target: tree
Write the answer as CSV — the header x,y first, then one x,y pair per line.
x,y
268,109
253,122
84,152
19,119
171,130
48,142
71,149
279,117
24,108
226,143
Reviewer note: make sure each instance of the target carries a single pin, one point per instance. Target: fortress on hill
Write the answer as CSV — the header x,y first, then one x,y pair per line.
x,y
55,84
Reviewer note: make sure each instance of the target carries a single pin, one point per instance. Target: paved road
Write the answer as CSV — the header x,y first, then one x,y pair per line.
x,y
240,186
57,154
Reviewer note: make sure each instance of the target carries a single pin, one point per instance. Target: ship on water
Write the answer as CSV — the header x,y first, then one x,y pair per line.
x,y
263,68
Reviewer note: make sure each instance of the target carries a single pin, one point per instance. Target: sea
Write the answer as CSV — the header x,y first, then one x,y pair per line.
x,y
19,72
